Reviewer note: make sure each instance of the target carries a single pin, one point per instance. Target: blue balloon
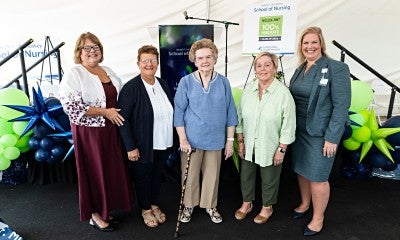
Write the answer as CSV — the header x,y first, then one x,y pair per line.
x,y
348,131
52,102
64,122
393,122
57,151
47,143
42,130
41,155
377,159
34,143
390,166
52,159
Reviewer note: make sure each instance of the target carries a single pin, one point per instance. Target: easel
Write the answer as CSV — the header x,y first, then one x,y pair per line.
x,y
46,49
278,72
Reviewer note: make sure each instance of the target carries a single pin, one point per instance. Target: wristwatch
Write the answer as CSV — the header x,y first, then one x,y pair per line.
x,y
282,150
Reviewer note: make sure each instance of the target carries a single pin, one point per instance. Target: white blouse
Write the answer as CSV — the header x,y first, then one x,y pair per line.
x,y
163,116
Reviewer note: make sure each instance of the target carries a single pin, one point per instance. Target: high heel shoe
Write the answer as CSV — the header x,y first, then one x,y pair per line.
x,y
308,232
298,215
94,224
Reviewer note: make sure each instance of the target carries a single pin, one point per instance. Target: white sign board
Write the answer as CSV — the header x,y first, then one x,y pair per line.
x,y
270,27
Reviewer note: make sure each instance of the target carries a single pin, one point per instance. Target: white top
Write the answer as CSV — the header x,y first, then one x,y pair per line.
x,y
163,116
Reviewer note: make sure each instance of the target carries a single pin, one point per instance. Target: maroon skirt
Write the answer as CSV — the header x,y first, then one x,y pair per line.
x,y
103,180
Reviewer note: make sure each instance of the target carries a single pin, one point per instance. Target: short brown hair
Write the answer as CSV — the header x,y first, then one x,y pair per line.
x,y
147,49
81,41
202,43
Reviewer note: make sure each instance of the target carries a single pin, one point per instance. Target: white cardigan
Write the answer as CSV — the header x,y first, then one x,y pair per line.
x,y
79,90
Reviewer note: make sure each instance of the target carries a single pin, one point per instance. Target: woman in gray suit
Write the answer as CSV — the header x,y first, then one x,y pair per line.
x,y
322,92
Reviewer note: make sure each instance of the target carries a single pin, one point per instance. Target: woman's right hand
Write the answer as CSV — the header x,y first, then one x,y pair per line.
x,y
113,115
185,146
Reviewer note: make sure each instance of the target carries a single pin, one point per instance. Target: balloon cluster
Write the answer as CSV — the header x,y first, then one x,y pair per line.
x,y
49,148
12,143
365,137
49,124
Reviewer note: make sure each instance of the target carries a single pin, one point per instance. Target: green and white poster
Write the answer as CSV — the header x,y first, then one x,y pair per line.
x,y
271,27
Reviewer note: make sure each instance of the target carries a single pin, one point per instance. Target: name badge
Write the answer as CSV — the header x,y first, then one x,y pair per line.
x,y
323,82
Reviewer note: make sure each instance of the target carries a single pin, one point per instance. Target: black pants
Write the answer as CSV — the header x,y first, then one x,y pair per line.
x,y
147,178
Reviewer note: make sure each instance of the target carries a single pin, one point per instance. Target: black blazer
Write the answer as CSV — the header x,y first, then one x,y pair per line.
x,y
135,105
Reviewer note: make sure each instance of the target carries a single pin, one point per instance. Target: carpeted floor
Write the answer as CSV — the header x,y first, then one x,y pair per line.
x,y
358,210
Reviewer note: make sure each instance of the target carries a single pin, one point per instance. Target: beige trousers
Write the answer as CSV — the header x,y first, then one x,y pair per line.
x,y
205,168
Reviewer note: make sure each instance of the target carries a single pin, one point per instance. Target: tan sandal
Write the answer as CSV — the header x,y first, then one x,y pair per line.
x,y
239,215
260,219
160,216
149,218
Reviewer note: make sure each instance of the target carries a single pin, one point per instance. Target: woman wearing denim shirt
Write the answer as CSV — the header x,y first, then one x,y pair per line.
x,y
205,119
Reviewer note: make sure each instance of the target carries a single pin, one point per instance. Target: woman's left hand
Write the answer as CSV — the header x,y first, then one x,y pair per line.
x,y
278,158
113,115
329,149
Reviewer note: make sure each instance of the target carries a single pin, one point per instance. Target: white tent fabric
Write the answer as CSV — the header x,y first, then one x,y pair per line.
x,y
365,27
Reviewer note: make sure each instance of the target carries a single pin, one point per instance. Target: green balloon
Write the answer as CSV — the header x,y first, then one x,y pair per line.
x,y
1,149
22,142
24,149
237,94
19,127
358,118
361,95
5,126
350,144
8,140
4,163
361,134
12,96
11,153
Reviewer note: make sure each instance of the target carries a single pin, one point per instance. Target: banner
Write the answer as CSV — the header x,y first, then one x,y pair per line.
x,y
270,27
175,42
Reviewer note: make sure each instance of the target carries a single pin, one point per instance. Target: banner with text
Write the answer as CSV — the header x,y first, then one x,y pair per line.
x,y
175,42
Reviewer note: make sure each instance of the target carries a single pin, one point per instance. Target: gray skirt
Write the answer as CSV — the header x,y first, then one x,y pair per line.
x,y
307,155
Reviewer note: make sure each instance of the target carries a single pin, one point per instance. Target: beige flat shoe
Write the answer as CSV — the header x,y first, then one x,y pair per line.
x,y
239,215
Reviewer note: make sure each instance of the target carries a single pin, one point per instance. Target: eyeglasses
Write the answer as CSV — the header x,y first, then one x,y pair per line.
x,y
89,48
146,61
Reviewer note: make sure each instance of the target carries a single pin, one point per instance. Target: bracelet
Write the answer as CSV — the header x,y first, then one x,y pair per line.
x,y
230,139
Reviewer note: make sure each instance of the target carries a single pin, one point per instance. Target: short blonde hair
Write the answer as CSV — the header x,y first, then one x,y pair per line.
x,y
202,43
81,41
273,57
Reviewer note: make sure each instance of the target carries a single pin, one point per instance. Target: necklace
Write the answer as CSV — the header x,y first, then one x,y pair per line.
x,y
201,79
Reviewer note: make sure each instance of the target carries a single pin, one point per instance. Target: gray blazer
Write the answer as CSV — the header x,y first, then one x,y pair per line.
x,y
329,101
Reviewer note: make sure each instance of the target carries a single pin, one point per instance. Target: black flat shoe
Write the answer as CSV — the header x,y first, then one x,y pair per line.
x,y
298,215
109,228
308,232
